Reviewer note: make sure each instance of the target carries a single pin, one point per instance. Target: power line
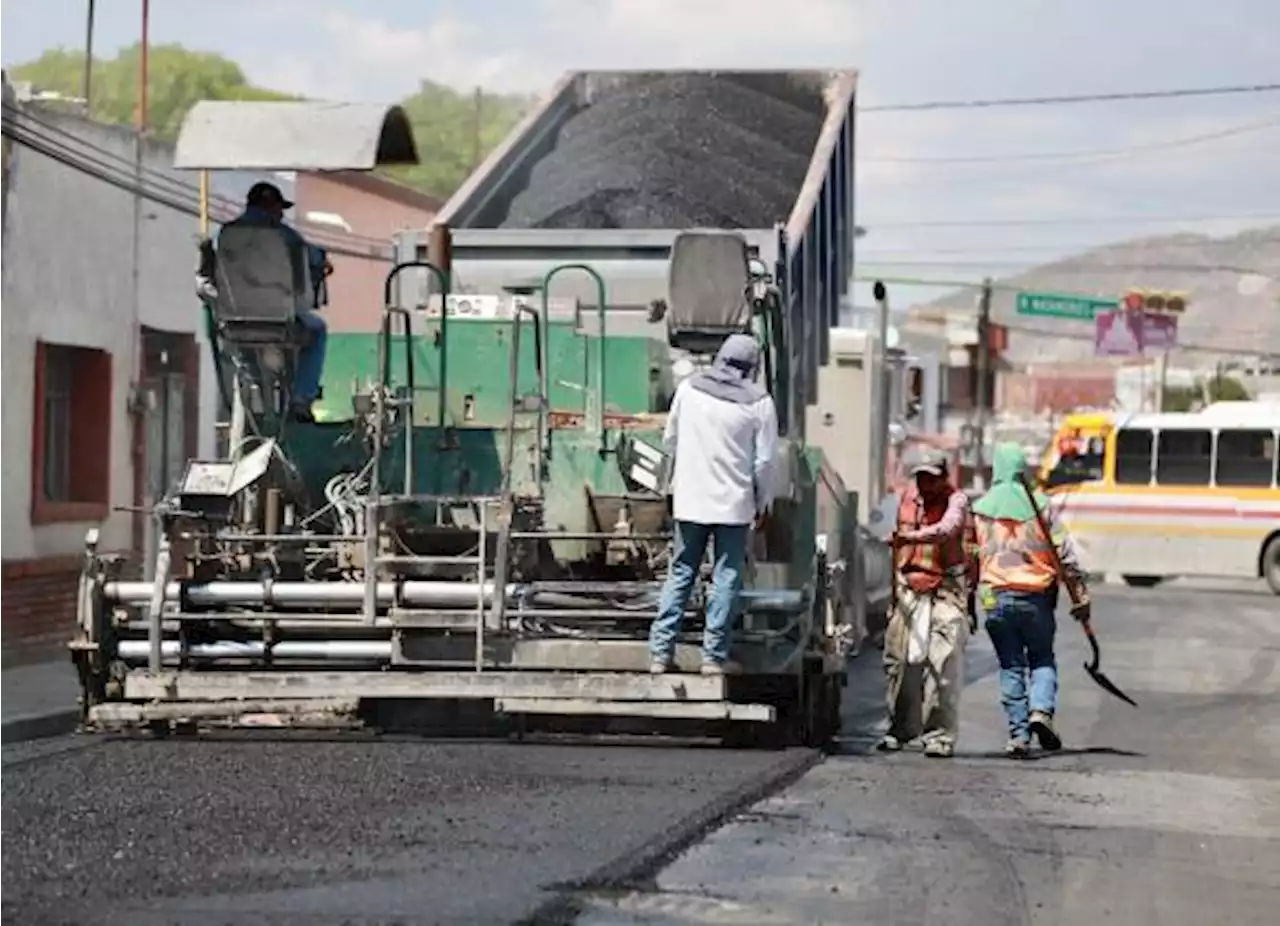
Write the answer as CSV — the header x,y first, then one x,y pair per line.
x,y
872,225
1073,98
1080,267
1096,155
121,172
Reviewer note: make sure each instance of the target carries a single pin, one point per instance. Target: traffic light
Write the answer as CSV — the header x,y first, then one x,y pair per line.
x,y
1152,300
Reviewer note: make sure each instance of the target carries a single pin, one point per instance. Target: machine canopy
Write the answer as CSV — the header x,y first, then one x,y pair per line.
x,y
237,135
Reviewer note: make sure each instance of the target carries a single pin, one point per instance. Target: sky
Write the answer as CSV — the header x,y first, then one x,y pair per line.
x,y
1087,174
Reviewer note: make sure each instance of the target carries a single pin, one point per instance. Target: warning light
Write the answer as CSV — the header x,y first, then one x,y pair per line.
x,y
1176,302
1155,302
1134,300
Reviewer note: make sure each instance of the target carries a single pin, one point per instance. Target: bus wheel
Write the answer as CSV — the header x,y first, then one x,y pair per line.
x,y
1142,581
1271,564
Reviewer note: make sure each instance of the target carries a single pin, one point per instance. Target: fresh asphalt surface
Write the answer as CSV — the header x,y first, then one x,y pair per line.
x,y
1169,814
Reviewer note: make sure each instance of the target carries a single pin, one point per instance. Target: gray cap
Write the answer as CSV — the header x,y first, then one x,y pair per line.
x,y
925,460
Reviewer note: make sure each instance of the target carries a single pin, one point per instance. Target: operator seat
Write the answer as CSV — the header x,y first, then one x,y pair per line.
x,y
260,285
708,276
260,282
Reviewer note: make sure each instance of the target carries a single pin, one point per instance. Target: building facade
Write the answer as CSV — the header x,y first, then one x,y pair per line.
x,y
109,379
371,210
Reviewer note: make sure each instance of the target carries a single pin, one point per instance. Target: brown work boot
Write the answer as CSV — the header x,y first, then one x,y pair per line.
x,y
1042,729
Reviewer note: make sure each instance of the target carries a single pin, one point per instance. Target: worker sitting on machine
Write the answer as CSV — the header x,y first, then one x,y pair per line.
x,y
722,433
265,207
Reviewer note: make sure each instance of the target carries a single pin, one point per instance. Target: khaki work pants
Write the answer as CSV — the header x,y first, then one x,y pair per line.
x,y
924,676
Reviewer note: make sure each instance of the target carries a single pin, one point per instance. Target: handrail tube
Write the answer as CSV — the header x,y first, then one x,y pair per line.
x,y
600,347
442,278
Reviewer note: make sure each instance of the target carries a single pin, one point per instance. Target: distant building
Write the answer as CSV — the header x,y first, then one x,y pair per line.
x,y
371,209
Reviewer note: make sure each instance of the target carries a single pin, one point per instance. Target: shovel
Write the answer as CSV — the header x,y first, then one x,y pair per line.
x,y
1073,590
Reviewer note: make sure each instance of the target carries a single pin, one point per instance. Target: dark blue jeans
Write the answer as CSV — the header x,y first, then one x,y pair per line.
x,y
1022,630
726,581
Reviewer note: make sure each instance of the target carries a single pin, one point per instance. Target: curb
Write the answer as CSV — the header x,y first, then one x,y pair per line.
x,y
40,726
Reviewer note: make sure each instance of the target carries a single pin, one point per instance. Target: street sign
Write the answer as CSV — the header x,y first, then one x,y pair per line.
x,y
1133,334
1118,334
1056,305
1159,332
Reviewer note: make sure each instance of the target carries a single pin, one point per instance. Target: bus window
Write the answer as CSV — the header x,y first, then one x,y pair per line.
x,y
1184,458
1246,458
1133,457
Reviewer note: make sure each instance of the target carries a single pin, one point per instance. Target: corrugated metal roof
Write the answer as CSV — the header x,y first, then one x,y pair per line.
x,y
231,135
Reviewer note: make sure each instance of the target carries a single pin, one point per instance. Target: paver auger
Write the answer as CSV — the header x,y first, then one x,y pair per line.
x,y
461,535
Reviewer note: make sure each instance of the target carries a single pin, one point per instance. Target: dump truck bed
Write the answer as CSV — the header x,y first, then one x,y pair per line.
x,y
613,164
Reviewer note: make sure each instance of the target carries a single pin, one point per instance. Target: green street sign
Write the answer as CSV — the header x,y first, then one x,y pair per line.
x,y
1054,305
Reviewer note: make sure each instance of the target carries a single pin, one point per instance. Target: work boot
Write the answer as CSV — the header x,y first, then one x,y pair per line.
x,y
302,414
1042,729
1017,749
939,749
889,743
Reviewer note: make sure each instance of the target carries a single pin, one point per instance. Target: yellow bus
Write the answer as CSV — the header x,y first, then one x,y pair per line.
x,y
1192,494
1088,430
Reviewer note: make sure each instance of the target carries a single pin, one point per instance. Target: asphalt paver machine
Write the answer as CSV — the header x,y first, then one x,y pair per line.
x,y
486,519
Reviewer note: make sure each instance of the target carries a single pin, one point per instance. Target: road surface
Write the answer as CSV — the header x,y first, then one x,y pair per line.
x,y
1169,814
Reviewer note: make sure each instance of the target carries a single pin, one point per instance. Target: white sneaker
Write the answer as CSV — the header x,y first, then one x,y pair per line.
x,y
657,668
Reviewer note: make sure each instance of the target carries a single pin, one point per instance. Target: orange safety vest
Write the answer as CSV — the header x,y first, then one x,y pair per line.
x,y
926,566
1014,555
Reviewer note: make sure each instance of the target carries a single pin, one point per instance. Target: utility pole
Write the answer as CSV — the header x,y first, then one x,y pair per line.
x,y
86,88
475,128
982,394
880,396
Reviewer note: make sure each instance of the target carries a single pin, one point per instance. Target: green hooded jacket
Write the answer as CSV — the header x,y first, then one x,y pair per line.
x,y
1007,499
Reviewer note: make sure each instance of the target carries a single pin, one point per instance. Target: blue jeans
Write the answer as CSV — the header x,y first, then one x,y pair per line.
x,y
1022,630
726,581
306,380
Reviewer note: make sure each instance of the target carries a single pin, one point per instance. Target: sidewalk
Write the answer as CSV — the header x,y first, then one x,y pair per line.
x,y
39,700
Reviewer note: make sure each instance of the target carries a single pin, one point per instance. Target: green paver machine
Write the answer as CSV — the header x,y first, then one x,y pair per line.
x,y
479,512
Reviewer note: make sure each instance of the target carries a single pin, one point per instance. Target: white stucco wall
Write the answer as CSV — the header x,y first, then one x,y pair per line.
x,y
68,278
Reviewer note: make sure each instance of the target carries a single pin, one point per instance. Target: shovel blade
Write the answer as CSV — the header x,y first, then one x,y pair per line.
x,y
1107,685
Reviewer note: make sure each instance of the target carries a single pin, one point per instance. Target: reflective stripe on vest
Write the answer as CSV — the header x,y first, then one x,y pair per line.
x,y
924,565
1014,555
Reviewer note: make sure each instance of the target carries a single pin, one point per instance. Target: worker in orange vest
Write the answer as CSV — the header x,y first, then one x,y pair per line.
x,y
933,611
1018,584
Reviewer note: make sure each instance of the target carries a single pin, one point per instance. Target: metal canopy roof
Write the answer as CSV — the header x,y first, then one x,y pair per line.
x,y
233,135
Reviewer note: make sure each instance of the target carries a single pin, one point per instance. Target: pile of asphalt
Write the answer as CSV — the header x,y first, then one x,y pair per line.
x,y
338,831
677,150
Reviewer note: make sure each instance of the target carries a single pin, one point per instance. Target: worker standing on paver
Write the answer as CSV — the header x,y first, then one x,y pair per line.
x,y
1018,584
722,434
932,612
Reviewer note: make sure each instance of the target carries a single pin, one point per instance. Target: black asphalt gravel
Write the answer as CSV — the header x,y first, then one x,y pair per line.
x,y
244,830
677,151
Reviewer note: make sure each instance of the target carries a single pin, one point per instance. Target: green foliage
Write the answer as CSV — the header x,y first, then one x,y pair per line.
x,y
176,79
1218,389
454,130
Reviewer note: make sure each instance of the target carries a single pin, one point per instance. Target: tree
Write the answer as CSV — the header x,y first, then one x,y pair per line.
x,y
1214,389
177,78
455,132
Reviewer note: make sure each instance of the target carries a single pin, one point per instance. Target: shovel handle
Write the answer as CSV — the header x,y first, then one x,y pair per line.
x,y
1073,592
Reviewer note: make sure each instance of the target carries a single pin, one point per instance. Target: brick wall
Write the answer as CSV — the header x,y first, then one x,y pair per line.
x,y
39,605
